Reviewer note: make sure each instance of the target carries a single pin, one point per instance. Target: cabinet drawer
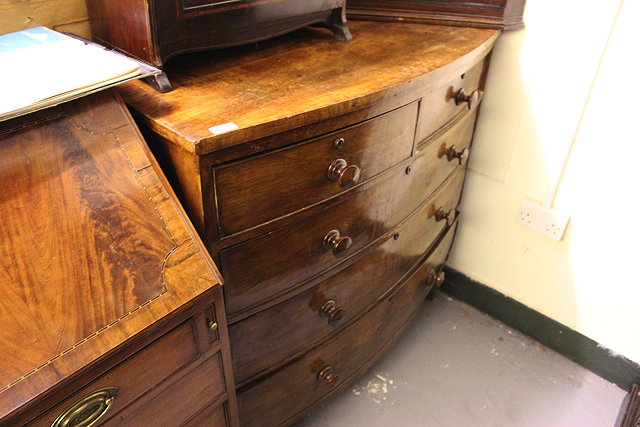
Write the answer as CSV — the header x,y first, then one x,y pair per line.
x,y
179,402
269,337
431,165
138,374
263,188
439,107
212,416
295,253
335,362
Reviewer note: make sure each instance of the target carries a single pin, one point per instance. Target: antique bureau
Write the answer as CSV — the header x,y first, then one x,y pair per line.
x,y
324,178
110,308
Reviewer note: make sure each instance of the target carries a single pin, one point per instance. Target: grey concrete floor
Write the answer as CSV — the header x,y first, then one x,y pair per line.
x,y
456,366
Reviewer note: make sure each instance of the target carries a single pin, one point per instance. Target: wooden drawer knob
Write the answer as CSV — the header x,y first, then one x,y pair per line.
x,y
449,215
462,155
88,410
435,278
346,175
331,310
338,244
472,100
329,377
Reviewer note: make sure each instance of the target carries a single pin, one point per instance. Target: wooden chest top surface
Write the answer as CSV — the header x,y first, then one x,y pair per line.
x,y
299,79
94,247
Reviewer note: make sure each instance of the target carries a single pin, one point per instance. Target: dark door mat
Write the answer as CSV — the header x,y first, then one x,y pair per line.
x,y
632,415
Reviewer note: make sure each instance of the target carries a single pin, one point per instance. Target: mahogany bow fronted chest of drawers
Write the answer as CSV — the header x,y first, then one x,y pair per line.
x,y
111,309
324,179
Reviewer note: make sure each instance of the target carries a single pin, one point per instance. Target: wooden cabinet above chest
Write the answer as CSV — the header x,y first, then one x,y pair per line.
x,y
324,178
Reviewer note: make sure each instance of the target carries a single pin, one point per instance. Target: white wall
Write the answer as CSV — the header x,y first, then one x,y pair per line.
x,y
571,72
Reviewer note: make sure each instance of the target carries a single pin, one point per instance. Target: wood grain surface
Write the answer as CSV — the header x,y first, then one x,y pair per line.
x,y
300,79
259,189
95,249
502,14
60,15
126,25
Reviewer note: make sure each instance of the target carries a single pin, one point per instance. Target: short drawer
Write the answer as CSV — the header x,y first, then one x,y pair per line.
x,y
439,106
434,161
181,401
298,252
324,369
268,338
136,375
253,191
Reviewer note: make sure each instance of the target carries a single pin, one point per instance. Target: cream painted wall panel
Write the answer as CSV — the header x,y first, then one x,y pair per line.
x,y
542,74
600,186
507,98
587,281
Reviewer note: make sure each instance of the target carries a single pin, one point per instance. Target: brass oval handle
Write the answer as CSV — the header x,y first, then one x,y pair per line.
x,y
472,99
331,310
346,175
449,215
434,278
462,156
329,377
88,410
338,244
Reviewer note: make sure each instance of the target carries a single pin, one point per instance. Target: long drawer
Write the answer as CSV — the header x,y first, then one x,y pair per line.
x,y
268,338
176,404
136,375
335,362
262,188
295,253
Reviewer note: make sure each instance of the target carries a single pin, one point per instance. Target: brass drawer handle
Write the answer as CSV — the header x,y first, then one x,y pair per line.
x,y
346,175
331,310
472,100
462,156
449,215
329,377
434,278
338,244
88,410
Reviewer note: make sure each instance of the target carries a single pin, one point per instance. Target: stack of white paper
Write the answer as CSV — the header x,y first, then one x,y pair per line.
x,y
41,67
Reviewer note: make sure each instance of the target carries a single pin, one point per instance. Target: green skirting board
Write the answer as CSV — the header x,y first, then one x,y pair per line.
x,y
556,336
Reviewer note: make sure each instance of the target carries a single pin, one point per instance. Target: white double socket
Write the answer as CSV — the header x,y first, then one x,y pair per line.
x,y
546,221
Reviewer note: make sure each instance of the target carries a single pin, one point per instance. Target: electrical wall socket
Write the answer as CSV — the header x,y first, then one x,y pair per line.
x,y
546,221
